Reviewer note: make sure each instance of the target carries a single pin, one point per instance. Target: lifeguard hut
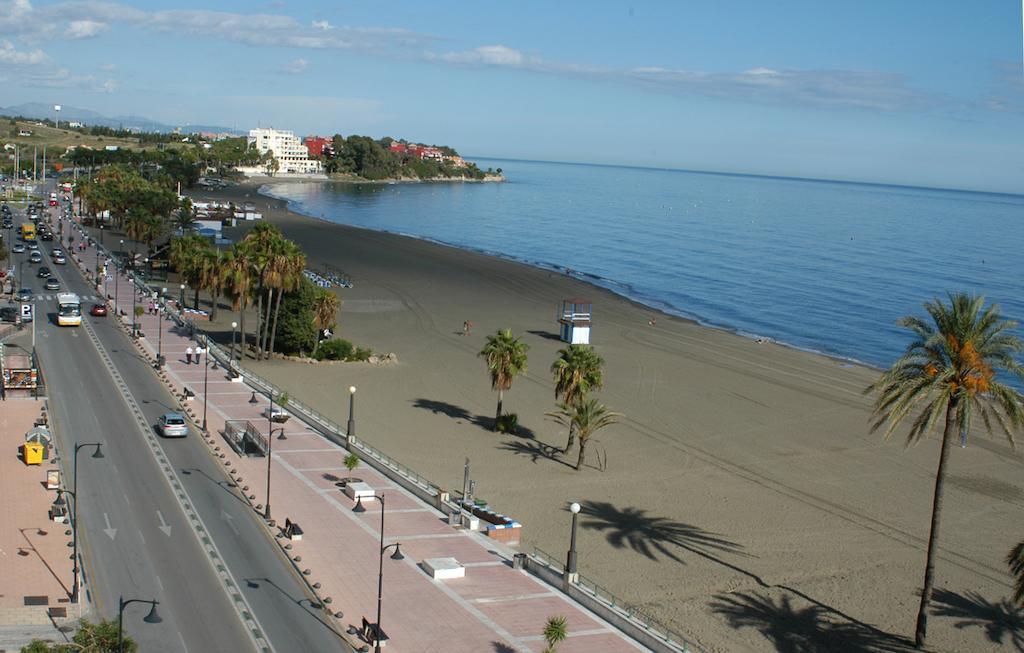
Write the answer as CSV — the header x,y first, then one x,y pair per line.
x,y
574,321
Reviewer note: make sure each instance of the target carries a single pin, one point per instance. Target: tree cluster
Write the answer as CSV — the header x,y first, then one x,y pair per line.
x,y
362,156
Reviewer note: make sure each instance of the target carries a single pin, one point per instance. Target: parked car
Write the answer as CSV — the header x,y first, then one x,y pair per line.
x,y
43,272
172,425
9,313
52,284
24,295
98,310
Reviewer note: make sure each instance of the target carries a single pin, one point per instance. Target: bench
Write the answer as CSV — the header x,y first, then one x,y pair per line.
x,y
370,633
292,530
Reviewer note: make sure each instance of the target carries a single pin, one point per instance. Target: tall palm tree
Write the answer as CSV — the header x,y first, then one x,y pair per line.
x,y
587,417
291,271
325,308
184,218
211,276
949,372
260,245
577,371
506,358
188,255
1015,560
238,281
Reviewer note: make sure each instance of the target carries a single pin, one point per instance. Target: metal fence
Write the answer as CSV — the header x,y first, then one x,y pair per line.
x,y
608,598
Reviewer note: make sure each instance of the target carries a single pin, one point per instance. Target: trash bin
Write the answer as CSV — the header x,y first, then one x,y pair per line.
x,y
519,561
32,453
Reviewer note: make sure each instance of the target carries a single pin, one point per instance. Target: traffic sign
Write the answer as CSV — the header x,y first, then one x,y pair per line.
x,y
26,312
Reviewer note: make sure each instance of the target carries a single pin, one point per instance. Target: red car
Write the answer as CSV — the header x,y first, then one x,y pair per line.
x,y
53,202
98,310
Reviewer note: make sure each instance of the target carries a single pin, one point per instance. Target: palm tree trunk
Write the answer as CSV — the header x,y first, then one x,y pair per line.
x,y
572,438
215,299
497,415
241,325
933,535
195,299
266,324
583,453
273,329
259,319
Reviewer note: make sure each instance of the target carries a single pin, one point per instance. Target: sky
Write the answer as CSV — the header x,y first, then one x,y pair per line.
x,y
911,92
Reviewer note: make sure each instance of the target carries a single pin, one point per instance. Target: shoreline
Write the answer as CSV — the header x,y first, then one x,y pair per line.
x,y
738,472
594,281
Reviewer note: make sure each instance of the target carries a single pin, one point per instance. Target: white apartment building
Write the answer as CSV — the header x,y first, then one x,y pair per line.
x,y
291,154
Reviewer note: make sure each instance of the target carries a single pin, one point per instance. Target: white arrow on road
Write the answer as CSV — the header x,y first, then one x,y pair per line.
x,y
111,532
228,518
163,525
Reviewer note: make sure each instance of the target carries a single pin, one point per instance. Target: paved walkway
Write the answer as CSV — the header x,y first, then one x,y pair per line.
x,y
494,608
35,554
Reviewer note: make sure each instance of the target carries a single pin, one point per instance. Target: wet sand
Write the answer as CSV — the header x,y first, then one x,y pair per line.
x,y
743,501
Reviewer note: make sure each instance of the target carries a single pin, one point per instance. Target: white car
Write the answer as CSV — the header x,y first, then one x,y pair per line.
x,y
172,425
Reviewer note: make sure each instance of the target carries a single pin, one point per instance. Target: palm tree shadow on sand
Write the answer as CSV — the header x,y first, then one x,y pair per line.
x,y
458,413
793,629
534,450
650,536
1001,620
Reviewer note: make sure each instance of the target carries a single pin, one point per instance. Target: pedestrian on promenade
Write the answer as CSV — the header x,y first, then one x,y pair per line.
x,y
188,355
199,352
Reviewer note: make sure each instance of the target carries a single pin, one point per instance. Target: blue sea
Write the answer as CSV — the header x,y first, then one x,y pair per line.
x,y
819,265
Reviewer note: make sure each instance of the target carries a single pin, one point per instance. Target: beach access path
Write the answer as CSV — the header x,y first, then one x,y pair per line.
x,y
494,607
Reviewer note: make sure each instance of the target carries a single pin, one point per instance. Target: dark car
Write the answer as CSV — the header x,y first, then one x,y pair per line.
x,y
9,313
43,272
46,235
24,295
98,310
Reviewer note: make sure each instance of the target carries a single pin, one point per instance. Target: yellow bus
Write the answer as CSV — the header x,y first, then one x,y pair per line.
x,y
28,232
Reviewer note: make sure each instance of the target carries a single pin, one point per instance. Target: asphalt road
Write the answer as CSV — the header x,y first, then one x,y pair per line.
x,y
135,538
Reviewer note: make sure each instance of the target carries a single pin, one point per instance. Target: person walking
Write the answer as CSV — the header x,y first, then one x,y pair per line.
x,y
199,352
188,355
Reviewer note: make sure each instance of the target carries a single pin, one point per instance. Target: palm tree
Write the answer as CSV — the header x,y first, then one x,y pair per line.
x,y
949,372
238,283
555,631
325,307
261,244
291,271
506,358
189,255
184,220
587,417
577,371
210,276
1015,560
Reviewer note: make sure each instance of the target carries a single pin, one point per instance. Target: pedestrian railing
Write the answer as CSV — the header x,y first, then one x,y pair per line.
x,y
608,598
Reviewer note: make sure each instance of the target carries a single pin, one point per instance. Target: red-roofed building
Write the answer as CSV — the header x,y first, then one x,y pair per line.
x,y
319,146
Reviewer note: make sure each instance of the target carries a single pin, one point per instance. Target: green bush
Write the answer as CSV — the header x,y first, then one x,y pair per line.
x,y
341,350
508,423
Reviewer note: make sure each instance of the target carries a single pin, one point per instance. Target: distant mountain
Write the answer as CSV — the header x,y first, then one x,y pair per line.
x,y
38,110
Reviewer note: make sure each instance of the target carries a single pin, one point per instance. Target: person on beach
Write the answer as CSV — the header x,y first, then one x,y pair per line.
x,y
469,327
465,327
188,355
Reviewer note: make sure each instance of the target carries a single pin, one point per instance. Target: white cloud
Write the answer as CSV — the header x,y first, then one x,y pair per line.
x,y
486,55
10,55
109,67
295,67
322,25
84,29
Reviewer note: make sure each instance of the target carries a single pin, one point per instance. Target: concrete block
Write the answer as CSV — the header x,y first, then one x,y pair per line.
x,y
443,568
357,490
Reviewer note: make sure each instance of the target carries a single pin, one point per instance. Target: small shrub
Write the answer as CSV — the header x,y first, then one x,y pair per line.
x,y
341,350
508,423
351,462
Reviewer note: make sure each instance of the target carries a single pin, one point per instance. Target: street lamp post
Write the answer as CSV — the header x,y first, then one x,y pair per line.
x,y
135,296
570,561
234,327
160,331
270,450
117,279
206,377
397,555
182,297
151,618
351,411
74,512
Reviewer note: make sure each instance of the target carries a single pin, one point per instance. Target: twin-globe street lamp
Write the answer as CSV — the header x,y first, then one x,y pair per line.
x,y
397,555
60,502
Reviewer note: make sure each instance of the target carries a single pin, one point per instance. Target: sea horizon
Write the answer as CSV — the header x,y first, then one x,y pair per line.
x,y
723,173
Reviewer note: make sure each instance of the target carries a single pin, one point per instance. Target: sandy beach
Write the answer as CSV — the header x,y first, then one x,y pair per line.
x,y
744,501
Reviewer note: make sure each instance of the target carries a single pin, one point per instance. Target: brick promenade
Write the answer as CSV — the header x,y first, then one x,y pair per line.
x,y
495,608
35,554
